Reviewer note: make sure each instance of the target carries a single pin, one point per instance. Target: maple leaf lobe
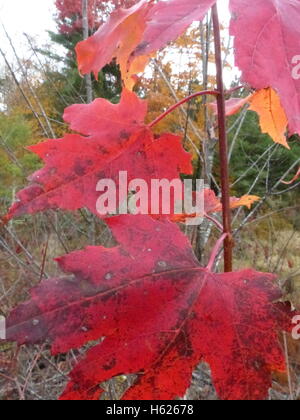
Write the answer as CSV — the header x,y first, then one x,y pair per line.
x,y
269,23
160,319
112,138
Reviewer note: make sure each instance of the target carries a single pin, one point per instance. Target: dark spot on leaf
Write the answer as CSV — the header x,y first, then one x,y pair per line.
x,y
124,134
110,365
141,47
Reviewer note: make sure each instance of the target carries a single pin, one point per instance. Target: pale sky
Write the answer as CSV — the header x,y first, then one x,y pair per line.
x,y
31,16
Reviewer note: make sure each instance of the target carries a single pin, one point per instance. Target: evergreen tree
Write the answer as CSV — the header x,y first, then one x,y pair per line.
x,y
70,32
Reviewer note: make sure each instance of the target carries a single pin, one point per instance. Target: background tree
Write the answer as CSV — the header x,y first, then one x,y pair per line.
x,y
70,31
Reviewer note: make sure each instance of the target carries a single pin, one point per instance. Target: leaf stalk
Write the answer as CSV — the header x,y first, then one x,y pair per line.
x,y
183,101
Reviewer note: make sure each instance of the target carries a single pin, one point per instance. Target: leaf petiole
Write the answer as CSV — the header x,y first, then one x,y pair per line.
x,y
183,101
215,252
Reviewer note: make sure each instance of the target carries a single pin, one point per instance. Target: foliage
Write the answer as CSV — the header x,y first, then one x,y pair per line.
x,y
15,134
69,23
251,147
69,179
69,13
151,314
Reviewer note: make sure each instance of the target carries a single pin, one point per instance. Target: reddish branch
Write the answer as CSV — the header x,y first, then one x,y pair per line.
x,y
183,101
223,144
230,91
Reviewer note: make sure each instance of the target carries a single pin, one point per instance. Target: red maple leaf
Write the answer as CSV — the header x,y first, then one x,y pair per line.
x,y
167,20
114,139
131,34
257,26
156,313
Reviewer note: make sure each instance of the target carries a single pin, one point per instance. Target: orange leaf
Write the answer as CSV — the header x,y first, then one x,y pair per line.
x,y
133,35
212,204
117,38
136,66
272,116
246,200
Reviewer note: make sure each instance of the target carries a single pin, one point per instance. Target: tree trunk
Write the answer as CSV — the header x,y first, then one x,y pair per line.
x,y
85,26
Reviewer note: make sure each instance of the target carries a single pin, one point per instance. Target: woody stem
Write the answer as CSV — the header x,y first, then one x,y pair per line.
x,y
223,145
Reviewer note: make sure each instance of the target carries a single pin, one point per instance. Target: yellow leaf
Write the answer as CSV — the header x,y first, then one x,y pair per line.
x,y
272,116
